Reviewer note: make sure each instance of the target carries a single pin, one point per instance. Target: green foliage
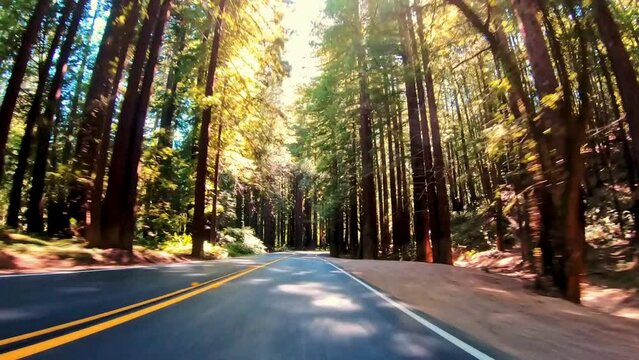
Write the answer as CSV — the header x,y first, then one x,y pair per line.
x,y
472,230
241,242
180,244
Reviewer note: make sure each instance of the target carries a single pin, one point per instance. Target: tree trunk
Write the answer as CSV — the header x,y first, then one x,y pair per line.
x,y
72,118
431,226
392,179
15,196
369,211
199,232
173,79
102,84
308,230
216,178
269,224
352,225
627,83
567,136
117,220
29,37
98,108
385,231
298,216
35,211
416,143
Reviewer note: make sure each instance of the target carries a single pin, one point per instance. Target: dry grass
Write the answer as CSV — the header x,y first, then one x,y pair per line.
x,y
19,252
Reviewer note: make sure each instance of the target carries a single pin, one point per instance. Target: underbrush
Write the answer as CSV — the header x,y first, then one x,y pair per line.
x,y
473,230
241,242
233,242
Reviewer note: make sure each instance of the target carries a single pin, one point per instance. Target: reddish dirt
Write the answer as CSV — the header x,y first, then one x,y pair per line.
x,y
12,262
603,288
501,312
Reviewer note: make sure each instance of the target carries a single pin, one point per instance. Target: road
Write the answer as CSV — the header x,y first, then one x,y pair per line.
x,y
275,306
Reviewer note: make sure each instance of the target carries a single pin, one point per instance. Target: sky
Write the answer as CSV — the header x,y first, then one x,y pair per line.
x,y
298,51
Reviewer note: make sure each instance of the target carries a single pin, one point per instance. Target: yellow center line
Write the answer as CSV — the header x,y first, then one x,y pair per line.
x,y
67,338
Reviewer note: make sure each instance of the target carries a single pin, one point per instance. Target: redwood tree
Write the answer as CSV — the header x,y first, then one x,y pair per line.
x,y
117,223
14,84
199,231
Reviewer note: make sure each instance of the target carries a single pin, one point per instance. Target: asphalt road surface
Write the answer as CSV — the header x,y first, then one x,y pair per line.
x,y
276,306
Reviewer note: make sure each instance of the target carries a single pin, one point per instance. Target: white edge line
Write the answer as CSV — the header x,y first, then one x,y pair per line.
x,y
434,328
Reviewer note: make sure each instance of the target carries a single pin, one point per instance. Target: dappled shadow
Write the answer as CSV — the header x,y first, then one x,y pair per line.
x,y
334,317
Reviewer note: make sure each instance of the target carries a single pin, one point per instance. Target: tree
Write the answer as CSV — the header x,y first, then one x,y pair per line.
x,y
117,223
15,203
199,232
35,221
369,226
17,75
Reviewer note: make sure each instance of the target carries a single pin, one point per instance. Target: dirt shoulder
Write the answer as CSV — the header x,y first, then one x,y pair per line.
x,y
498,311
24,254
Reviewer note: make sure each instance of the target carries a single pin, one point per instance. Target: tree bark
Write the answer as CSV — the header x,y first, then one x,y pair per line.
x,y
35,211
298,210
14,84
416,143
199,232
369,211
216,178
98,109
626,76
102,82
117,220
15,196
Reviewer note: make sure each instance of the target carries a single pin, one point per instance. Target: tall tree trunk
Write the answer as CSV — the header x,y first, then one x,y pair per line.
x,y
627,83
75,102
269,224
216,177
35,211
385,231
416,143
352,225
117,220
431,226
14,84
369,211
96,117
444,241
308,230
392,179
298,210
567,136
15,196
102,82
199,232
173,79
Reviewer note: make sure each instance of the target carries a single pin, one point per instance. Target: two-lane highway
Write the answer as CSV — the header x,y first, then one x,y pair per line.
x,y
277,306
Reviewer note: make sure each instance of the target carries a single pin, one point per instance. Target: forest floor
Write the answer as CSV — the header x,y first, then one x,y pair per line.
x,y
24,254
611,284
503,312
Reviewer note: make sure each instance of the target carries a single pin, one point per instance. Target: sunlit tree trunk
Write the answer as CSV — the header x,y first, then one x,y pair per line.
x,y
199,231
29,37
15,196
626,76
35,211
117,221
369,211
416,143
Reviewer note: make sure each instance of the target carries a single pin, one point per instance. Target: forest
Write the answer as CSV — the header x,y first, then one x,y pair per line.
x,y
433,129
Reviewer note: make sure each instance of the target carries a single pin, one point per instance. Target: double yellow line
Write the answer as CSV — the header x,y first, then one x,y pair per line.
x,y
172,297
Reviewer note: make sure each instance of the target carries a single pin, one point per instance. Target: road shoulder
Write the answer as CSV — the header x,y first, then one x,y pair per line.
x,y
498,311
